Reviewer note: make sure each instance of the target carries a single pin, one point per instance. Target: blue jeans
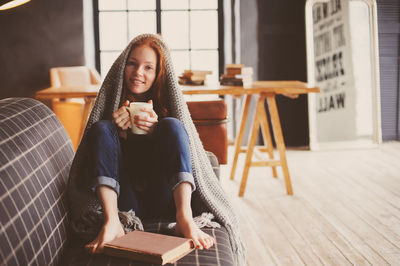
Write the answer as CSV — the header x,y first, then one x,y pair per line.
x,y
142,169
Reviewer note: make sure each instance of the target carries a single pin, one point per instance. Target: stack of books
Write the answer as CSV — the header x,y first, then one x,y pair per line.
x,y
194,77
237,75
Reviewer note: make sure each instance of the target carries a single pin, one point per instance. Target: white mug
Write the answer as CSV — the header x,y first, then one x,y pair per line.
x,y
134,109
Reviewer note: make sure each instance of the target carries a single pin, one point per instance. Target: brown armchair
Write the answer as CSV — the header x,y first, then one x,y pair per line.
x,y
210,119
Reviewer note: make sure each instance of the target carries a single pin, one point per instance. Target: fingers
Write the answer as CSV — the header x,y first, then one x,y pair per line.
x,y
121,117
91,248
145,122
120,112
150,112
126,125
99,249
126,103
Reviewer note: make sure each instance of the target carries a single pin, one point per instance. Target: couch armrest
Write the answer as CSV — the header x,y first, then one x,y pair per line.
x,y
35,158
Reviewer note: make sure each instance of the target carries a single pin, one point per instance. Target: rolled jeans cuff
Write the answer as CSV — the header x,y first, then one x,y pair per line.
x,y
106,181
182,177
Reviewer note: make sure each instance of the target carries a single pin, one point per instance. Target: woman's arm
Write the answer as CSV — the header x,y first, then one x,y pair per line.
x,y
184,218
112,227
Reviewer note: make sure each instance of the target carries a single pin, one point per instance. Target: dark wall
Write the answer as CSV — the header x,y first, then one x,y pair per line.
x,y
280,54
389,61
35,37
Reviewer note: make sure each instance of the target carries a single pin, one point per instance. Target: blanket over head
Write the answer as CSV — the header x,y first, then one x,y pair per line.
x,y
83,202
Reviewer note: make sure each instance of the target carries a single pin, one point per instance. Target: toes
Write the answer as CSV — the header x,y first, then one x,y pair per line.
x,y
209,242
203,242
197,244
212,240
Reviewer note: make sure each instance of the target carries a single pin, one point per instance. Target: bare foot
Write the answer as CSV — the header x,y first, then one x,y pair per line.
x,y
187,228
109,232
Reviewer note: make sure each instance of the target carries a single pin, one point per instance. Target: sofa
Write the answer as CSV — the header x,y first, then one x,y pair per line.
x,y
35,158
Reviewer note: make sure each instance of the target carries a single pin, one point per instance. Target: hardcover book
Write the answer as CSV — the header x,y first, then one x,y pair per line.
x,y
149,247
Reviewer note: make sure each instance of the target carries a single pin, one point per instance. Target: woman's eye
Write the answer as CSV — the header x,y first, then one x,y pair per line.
x,y
149,67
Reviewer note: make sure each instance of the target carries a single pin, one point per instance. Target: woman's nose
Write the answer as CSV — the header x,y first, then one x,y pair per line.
x,y
139,71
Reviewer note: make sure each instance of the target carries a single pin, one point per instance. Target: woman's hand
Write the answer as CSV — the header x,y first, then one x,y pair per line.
x,y
121,117
146,122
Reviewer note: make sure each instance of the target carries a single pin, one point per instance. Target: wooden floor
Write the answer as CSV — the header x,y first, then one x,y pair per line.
x,y
345,209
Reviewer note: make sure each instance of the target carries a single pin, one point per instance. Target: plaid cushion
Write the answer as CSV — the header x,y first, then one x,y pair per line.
x,y
219,254
35,158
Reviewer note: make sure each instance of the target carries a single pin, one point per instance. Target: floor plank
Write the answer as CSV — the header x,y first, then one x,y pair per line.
x,y
345,209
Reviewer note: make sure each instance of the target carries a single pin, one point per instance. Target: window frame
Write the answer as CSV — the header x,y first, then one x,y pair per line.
x,y
158,10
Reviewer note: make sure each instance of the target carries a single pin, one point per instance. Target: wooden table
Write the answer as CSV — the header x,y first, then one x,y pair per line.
x,y
87,92
264,90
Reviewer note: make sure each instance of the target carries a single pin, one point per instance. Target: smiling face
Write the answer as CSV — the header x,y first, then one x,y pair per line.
x,y
140,69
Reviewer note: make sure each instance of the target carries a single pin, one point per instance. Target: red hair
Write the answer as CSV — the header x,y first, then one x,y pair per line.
x,y
158,88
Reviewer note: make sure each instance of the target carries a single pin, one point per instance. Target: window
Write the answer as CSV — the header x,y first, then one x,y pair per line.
x,y
189,27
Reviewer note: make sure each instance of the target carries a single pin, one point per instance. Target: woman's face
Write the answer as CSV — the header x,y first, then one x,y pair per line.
x,y
140,69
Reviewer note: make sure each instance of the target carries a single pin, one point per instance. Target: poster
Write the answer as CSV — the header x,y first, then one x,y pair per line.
x,y
335,104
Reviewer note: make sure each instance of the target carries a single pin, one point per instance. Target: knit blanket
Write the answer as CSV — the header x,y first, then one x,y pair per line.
x,y
84,203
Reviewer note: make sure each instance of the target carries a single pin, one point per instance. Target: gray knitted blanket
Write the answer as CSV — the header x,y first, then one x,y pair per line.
x,y
209,191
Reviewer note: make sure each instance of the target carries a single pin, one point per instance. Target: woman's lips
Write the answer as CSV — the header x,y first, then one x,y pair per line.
x,y
137,82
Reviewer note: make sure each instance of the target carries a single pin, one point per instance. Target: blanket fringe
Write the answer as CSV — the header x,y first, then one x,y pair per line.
x,y
203,220
130,221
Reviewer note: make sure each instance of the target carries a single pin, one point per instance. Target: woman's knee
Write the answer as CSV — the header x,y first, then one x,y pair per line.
x,y
103,129
171,126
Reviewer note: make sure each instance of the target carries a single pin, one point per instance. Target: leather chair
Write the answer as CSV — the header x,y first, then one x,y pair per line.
x,y
70,112
210,119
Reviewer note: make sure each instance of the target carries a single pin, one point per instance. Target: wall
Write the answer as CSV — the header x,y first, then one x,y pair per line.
x,y
34,37
389,61
273,42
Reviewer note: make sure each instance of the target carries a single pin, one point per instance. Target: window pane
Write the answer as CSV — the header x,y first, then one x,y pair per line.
x,y
180,59
141,5
203,4
174,4
175,30
112,5
107,59
113,32
204,29
206,60
142,22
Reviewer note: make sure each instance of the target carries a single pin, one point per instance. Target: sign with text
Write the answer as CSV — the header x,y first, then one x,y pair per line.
x,y
335,104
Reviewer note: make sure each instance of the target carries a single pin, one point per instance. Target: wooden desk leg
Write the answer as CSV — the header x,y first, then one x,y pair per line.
x,y
280,143
239,139
267,138
89,101
252,142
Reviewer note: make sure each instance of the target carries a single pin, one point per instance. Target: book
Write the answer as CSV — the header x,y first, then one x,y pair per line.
x,y
149,247
235,76
198,72
194,77
234,65
239,71
245,83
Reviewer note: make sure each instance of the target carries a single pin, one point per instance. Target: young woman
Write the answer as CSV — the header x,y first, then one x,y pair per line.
x,y
154,174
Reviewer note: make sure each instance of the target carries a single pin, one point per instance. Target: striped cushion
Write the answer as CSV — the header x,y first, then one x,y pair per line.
x,y
35,158
219,254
